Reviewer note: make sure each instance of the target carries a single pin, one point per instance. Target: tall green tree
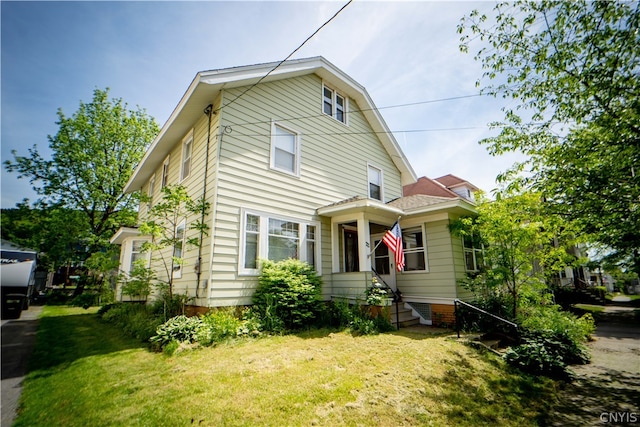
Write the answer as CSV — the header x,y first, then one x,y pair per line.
x,y
93,156
573,71
522,248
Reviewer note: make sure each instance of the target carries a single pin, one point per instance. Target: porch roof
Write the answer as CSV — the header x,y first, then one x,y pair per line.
x,y
359,204
421,204
123,233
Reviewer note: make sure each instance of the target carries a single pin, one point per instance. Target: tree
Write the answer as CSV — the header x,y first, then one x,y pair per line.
x,y
58,234
572,67
167,226
94,153
522,247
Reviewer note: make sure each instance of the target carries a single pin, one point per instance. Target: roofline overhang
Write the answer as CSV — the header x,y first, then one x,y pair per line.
x,y
207,86
124,233
361,205
458,206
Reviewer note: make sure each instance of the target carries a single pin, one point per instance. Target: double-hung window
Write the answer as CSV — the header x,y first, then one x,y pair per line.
x,y
137,254
375,182
415,254
285,150
187,152
334,104
473,254
152,185
276,238
165,173
178,249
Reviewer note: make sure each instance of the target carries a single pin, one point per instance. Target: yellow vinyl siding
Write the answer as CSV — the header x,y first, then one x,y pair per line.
x,y
333,167
440,280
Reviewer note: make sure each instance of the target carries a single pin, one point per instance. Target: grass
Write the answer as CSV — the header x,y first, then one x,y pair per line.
x,y
85,372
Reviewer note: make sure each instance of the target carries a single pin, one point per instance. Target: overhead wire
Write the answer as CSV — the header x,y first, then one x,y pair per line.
x,y
288,56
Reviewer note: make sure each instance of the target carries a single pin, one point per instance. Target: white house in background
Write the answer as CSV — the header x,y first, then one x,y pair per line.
x,y
298,164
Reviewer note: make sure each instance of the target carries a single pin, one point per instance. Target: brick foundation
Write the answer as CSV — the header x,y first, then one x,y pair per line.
x,y
443,315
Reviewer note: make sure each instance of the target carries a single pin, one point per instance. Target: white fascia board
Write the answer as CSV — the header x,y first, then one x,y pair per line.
x,y
123,233
359,205
455,205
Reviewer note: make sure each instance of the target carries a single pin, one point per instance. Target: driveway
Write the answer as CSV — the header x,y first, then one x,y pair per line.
x,y
18,338
606,391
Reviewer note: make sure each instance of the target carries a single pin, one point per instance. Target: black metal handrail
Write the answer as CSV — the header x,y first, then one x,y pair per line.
x,y
479,310
397,296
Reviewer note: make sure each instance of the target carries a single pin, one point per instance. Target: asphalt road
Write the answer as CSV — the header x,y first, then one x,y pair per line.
x,y
18,338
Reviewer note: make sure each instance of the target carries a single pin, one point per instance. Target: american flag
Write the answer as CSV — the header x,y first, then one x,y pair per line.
x,y
393,239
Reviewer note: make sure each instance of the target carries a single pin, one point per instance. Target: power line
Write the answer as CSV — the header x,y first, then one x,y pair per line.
x,y
288,56
408,104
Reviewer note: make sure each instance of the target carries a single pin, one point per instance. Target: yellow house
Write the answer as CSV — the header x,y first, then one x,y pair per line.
x,y
296,161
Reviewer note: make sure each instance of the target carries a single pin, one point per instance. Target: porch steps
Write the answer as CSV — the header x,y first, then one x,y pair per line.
x,y
405,316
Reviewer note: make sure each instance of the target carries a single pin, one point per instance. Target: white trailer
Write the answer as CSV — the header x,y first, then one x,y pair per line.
x,y
17,278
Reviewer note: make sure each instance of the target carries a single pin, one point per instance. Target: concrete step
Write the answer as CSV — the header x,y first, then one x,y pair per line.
x,y
404,317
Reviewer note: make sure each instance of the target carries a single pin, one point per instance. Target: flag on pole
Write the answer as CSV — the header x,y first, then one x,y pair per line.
x,y
393,239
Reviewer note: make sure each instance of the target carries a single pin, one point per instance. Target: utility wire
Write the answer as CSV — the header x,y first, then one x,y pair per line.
x,y
288,56
409,104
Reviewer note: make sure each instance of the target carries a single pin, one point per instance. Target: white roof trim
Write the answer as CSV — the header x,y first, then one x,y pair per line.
x,y
207,85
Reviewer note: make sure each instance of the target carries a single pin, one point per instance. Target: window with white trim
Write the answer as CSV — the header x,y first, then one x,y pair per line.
x,y
152,185
276,238
187,152
285,150
178,249
415,253
137,253
334,104
473,254
375,183
165,173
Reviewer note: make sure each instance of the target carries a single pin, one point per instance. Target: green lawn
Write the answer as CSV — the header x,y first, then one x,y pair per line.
x,y
85,372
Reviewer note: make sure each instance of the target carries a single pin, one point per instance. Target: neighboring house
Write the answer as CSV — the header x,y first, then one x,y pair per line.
x,y
298,164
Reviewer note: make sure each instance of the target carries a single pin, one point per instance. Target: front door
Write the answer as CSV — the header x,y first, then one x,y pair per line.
x,y
383,262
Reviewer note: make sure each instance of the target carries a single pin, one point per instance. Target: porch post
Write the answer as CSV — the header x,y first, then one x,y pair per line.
x,y
364,243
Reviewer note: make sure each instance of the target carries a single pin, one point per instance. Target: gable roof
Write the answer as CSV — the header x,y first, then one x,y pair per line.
x,y
451,181
207,85
429,187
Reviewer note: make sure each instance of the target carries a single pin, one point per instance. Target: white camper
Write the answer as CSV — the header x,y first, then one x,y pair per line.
x,y
17,278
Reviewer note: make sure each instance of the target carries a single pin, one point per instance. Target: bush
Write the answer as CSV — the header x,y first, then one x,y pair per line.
x,y
218,325
547,353
86,300
180,329
137,320
288,295
552,318
552,339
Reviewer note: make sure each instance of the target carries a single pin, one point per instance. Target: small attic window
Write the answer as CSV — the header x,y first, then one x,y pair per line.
x,y
334,104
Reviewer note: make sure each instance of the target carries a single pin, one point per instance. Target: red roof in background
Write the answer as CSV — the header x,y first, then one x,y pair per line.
x,y
450,180
428,187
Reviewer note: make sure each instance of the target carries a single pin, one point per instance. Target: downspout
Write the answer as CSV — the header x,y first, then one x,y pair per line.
x,y
208,111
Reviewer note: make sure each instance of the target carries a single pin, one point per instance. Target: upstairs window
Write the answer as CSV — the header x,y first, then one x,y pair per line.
x,y
285,150
375,183
187,151
165,173
152,185
334,104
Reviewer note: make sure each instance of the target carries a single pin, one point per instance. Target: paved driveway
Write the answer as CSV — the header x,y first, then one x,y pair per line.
x,y
18,338
606,391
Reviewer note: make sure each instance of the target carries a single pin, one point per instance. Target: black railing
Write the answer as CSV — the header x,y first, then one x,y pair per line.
x,y
457,302
397,295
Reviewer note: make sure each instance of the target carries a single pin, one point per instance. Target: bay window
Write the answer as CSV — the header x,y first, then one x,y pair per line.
x,y
276,238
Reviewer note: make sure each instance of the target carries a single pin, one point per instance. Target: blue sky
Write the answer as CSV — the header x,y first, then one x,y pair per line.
x,y
54,54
